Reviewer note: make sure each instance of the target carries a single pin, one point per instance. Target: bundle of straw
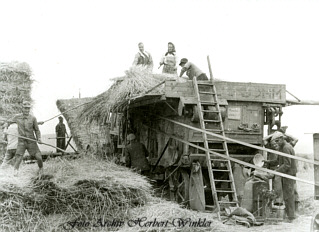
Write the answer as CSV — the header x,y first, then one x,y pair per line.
x,y
136,81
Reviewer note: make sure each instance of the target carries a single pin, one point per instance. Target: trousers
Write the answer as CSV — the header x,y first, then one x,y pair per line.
x,y
288,190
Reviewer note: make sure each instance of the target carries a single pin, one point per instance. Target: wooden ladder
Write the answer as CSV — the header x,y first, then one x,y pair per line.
x,y
208,105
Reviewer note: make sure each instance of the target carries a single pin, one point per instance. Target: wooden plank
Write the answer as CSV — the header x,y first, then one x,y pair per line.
x,y
316,167
256,92
236,91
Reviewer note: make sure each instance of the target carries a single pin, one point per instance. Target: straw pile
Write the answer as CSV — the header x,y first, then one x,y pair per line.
x,y
84,133
85,189
135,82
15,86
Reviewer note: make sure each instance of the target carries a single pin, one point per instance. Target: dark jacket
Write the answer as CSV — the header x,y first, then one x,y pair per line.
x,y
135,156
286,165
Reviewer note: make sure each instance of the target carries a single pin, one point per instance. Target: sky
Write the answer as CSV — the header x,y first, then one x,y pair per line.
x,y
78,46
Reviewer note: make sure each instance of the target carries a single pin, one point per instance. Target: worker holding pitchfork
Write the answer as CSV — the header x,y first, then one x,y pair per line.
x,y
28,128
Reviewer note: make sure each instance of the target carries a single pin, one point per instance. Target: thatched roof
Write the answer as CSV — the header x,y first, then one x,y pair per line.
x,y
84,133
135,82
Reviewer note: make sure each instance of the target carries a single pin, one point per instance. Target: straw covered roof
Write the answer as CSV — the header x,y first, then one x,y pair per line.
x,y
84,133
136,81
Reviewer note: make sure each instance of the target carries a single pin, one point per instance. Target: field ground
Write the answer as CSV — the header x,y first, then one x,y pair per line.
x,y
302,223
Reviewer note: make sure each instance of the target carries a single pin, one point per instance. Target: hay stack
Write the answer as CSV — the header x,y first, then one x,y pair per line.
x,y
84,133
85,189
135,82
15,86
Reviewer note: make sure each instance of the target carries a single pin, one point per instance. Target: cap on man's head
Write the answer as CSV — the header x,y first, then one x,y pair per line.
x,y
26,104
183,61
276,135
60,117
131,137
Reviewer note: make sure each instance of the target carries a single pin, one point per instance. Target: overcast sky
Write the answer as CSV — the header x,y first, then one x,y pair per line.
x,y
79,45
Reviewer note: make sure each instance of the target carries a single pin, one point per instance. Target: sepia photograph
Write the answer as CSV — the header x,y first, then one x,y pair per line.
x,y
159,115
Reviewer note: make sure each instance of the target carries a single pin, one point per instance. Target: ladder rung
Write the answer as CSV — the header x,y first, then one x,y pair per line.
x,y
220,170
219,150
204,83
210,206
210,120
228,202
229,181
215,140
210,111
224,191
211,93
204,155
208,103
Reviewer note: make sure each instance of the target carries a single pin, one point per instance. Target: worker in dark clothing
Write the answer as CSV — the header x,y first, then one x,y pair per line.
x,y
191,70
60,131
135,155
288,166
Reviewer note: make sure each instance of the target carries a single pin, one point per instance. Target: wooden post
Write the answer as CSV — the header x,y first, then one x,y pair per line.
x,y
210,69
316,167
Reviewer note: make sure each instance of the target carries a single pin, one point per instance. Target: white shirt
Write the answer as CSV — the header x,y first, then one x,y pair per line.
x,y
12,140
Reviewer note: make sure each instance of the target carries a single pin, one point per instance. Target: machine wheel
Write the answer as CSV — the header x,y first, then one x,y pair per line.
x,y
179,187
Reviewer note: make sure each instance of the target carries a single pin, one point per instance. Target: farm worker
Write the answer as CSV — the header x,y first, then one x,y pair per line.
x,y
292,141
27,127
289,138
169,60
191,70
288,166
60,131
143,58
10,136
135,155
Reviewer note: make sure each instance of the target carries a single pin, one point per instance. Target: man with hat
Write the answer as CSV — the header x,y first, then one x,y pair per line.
x,y
287,166
135,155
191,70
27,127
60,131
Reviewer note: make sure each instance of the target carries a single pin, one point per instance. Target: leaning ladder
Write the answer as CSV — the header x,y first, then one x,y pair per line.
x,y
207,104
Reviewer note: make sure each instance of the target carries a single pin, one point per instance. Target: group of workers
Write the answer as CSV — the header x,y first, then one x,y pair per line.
x,y
21,133
169,62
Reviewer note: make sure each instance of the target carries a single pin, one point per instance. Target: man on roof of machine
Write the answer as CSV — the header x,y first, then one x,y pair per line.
x,y
191,70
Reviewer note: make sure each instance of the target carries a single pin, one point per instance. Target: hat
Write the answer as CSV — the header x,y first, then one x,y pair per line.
x,y
276,135
26,104
258,160
131,137
60,117
183,61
